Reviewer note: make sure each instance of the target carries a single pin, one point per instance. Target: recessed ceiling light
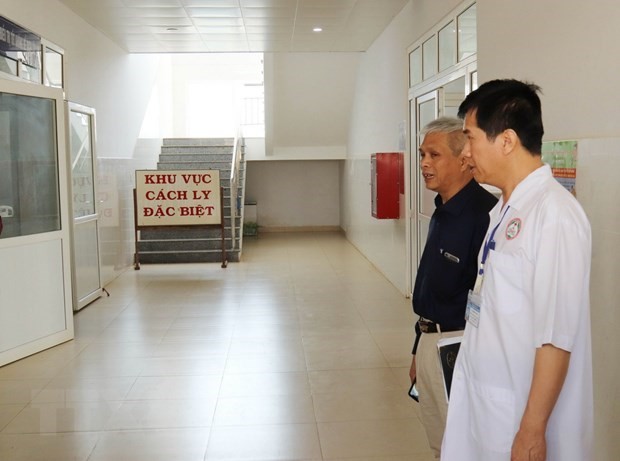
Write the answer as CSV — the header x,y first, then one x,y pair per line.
x,y
317,29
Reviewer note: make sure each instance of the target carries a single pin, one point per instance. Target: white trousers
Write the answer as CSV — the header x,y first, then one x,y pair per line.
x,y
433,404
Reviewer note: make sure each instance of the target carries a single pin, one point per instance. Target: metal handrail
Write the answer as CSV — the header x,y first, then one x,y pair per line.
x,y
235,207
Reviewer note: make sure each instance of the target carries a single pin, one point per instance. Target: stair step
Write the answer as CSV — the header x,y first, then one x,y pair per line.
x,y
195,166
190,257
200,244
199,142
173,246
147,235
203,150
195,157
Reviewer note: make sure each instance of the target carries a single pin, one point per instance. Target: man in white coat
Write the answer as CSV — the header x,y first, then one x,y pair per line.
x,y
522,386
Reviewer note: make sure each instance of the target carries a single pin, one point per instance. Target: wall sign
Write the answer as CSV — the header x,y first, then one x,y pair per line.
x,y
562,157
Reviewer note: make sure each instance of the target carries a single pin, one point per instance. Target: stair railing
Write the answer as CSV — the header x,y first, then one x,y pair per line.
x,y
235,207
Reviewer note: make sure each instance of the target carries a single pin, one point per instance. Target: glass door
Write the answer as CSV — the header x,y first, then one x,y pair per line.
x,y
425,109
86,257
442,98
35,268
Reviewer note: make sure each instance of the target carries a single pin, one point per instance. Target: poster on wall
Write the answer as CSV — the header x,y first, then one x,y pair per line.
x,y
561,156
178,198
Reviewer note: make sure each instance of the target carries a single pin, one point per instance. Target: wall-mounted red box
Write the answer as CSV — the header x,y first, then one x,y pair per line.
x,y
385,184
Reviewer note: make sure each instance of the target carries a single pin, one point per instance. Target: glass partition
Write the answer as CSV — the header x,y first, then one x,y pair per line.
x,y
81,165
415,66
429,57
27,55
29,195
53,68
447,46
467,38
8,65
30,70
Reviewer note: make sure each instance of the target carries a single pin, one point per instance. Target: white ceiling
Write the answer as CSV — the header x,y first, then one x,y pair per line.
x,y
170,26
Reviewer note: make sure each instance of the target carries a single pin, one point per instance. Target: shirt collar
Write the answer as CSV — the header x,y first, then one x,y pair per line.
x,y
529,186
456,204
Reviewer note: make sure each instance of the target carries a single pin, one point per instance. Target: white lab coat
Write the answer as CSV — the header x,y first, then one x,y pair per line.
x,y
535,291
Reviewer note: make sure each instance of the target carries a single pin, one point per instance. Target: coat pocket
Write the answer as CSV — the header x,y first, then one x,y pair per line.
x,y
492,418
506,276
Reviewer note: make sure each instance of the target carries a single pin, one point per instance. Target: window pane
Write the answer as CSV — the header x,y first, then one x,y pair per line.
x,y
8,65
29,195
82,165
53,68
474,80
415,66
30,73
429,55
427,113
447,46
467,32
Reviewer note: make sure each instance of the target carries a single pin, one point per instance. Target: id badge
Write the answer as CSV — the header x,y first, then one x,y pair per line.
x,y
472,311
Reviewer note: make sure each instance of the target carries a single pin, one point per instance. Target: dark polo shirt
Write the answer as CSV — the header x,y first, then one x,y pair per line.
x,y
448,266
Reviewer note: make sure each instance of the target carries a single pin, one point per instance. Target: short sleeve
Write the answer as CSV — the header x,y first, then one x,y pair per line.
x,y
561,274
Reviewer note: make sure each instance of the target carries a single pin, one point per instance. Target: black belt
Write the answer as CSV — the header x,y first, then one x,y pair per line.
x,y
426,326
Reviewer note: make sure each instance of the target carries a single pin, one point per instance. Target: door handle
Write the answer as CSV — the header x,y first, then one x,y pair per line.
x,y
1,225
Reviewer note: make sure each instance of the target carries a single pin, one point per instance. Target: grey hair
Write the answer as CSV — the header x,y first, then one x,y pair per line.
x,y
451,125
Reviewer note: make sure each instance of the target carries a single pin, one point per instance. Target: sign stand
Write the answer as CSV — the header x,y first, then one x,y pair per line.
x,y
177,200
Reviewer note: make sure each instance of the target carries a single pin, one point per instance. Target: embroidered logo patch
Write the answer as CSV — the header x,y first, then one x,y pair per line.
x,y
513,228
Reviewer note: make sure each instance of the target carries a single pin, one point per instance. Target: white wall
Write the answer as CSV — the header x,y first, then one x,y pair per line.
x,y
425,14
295,179
380,106
570,49
295,195
308,103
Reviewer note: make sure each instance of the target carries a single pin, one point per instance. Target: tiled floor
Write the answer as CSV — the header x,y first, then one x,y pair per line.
x,y
300,352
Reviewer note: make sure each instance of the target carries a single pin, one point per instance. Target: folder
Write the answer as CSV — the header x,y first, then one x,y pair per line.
x,y
448,349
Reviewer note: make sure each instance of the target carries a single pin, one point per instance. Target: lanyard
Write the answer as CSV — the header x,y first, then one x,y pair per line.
x,y
488,246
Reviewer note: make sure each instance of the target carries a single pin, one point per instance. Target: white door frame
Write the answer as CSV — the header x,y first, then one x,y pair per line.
x,y
87,282
425,91
36,304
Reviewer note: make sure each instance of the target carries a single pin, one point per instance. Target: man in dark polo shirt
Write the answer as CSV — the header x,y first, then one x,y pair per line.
x,y
448,266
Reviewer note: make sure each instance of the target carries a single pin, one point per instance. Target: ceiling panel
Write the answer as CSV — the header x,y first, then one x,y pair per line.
x,y
151,26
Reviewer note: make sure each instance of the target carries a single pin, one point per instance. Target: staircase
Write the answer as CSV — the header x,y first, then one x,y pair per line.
x,y
190,245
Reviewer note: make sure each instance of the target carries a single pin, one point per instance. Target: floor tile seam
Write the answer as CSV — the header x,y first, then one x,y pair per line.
x,y
372,335
101,434
316,433
374,367
219,389
367,420
53,376
11,435
357,418
38,391
2,428
107,431
120,401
